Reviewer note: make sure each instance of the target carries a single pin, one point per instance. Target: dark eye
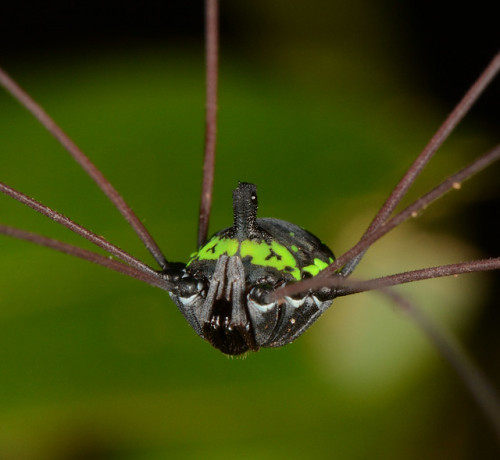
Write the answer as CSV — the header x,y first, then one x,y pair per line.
x,y
259,294
189,286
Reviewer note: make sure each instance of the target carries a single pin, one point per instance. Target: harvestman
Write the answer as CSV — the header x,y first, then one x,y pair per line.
x,y
262,282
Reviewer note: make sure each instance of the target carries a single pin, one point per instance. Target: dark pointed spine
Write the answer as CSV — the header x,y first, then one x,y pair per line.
x,y
245,206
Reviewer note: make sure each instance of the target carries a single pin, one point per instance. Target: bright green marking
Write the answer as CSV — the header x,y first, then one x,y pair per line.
x,y
270,255
292,233
192,257
330,259
312,269
316,267
294,248
215,248
319,263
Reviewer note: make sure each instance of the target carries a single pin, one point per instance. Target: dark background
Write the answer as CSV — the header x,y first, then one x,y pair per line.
x,y
446,43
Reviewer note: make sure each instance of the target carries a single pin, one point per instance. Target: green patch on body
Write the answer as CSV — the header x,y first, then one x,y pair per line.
x,y
215,248
261,253
270,255
315,268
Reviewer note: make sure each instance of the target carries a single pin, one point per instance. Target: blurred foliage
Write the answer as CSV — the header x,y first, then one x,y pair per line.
x,y
94,365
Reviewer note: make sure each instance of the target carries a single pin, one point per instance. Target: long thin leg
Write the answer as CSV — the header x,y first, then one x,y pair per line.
x,y
436,141
26,101
350,286
474,266
453,182
475,381
153,280
212,57
477,384
76,228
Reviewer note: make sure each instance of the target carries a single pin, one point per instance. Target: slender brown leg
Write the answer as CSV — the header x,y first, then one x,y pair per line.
x,y
212,57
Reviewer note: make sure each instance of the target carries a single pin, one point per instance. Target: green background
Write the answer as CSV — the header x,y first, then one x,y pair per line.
x,y
93,363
